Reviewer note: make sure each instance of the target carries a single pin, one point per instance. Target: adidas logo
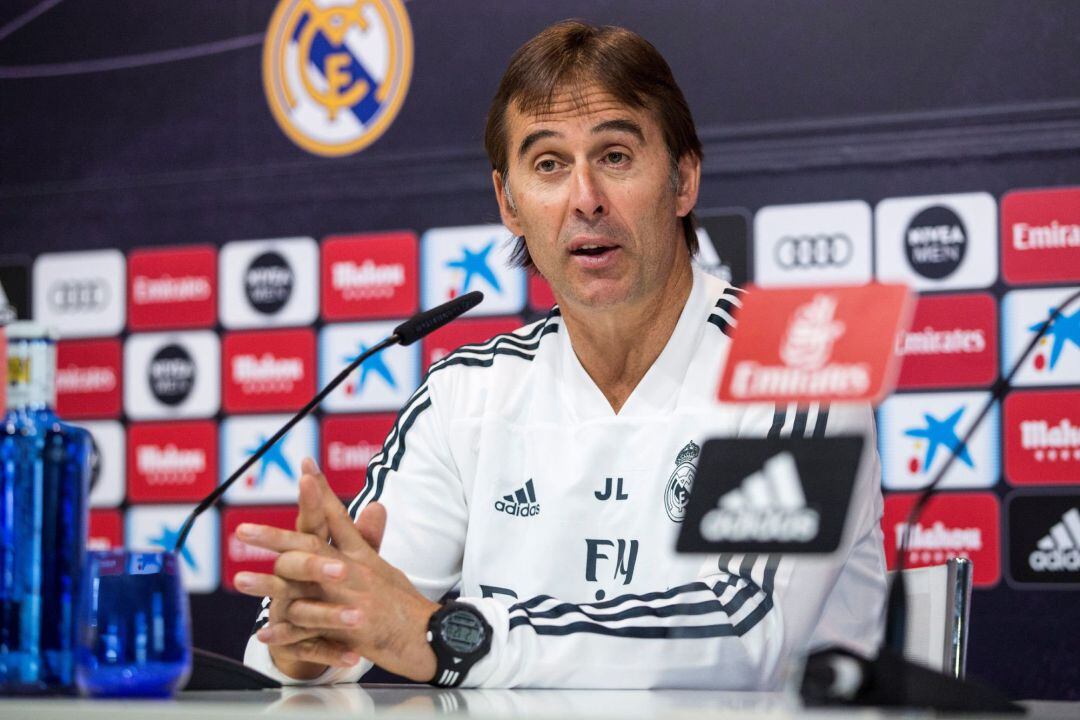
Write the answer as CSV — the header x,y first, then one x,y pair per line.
x,y
521,504
769,506
1059,550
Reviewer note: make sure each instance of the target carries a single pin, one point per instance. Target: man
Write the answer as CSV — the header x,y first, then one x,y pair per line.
x,y
540,470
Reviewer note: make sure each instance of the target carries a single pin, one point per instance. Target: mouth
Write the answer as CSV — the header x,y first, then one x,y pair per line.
x,y
592,249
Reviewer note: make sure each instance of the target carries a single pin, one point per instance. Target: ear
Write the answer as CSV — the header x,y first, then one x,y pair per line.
x,y
689,183
508,214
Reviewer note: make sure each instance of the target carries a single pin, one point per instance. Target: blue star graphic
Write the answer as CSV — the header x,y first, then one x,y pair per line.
x,y
1065,329
374,364
167,540
475,263
274,456
941,432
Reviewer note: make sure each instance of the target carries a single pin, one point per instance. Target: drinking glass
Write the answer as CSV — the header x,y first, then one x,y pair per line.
x,y
134,635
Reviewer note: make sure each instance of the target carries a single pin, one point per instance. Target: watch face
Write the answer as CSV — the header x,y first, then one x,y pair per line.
x,y
462,632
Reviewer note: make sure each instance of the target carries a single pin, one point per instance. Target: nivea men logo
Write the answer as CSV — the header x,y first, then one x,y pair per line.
x,y
610,558
171,374
810,251
79,295
268,282
935,242
521,503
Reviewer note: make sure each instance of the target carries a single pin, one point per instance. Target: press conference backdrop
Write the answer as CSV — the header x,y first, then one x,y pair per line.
x,y
220,204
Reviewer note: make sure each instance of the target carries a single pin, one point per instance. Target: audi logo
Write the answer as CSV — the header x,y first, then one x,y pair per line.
x,y
83,295
813,251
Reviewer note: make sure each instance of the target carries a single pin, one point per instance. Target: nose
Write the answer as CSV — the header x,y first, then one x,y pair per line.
x,y
586,194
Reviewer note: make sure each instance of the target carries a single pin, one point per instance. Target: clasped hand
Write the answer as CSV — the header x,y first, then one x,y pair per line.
x,y
332,604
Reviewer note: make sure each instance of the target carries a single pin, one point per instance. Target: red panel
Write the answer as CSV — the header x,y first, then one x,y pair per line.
x,y
172,288
106,530
448,338
1040,236
1042,438
172,461
347,444
88,378
268,371
238,556
952,343
370,276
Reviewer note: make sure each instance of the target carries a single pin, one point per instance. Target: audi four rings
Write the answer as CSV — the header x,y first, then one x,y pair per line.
x,y
813,251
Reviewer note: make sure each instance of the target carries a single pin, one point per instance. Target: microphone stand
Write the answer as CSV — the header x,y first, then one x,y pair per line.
x,y
890,679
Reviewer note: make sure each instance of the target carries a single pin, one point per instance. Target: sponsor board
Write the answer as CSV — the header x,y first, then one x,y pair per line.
x,y
172,288
937,242
1044,540
541,299
813,244
15,285
274,478
952,342
106,530
962,524
268,283
370,276
347,446
1056,358
172,375
268,370
383,382
814,344
448,338
107,466
723,245
158,527
1040,236
88,379
80,294
237,555
172,461
918,432
1042,437
457,260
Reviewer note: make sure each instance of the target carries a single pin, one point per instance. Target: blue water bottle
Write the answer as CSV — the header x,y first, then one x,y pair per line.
x,y
65,485
21,475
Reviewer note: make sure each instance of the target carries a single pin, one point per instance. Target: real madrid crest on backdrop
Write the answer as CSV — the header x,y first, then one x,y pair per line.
x,y
336,73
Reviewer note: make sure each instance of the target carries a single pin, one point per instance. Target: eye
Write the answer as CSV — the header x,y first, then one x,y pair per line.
x,y
547,165
616,157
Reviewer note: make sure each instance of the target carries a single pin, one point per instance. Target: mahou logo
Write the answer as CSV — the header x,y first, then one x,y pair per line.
x,y
1042,437
1040,236
824,351
1056,358
241,557
370,276
450,337
88,378
172,288
169,462
348,444
268,371
952,342
963,525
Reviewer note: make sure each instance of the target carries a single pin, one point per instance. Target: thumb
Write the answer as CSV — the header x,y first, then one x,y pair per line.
x,y
372,524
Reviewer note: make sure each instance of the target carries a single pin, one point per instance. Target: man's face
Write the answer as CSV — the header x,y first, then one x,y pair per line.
x,y
593,190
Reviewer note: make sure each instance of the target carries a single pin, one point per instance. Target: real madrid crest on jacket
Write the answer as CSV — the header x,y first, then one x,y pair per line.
x,y
508,472
336,74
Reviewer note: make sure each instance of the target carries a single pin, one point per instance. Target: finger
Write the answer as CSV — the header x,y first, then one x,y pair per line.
x,y
278,539
313,614
323,652
311,518
372,524
308,567
284,632
263,585
342,531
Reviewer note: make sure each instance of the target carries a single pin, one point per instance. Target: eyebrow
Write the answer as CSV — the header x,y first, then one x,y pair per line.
x,y
618,125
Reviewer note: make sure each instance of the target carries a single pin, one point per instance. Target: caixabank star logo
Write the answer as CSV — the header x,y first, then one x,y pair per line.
x,y
336,73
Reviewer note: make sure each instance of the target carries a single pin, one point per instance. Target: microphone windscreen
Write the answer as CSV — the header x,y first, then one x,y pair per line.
x,y
423,323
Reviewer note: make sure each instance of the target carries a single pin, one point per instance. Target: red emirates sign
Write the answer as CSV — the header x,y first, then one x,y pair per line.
x,y
953,524
106,530
88,378
370,276
268,371
237,555
172,288
540,295
450,337
1042,438
347,445
172,461
952,343
1040,236
815,344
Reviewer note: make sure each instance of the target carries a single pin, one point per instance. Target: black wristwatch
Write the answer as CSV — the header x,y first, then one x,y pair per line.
x,y
460,637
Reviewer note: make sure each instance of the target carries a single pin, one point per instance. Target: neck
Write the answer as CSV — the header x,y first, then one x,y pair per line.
x,y
617,346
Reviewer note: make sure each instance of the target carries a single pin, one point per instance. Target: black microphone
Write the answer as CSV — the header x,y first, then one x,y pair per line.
x,y
406,333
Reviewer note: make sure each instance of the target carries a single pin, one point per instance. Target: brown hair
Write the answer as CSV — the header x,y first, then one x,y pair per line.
x,y
573,55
